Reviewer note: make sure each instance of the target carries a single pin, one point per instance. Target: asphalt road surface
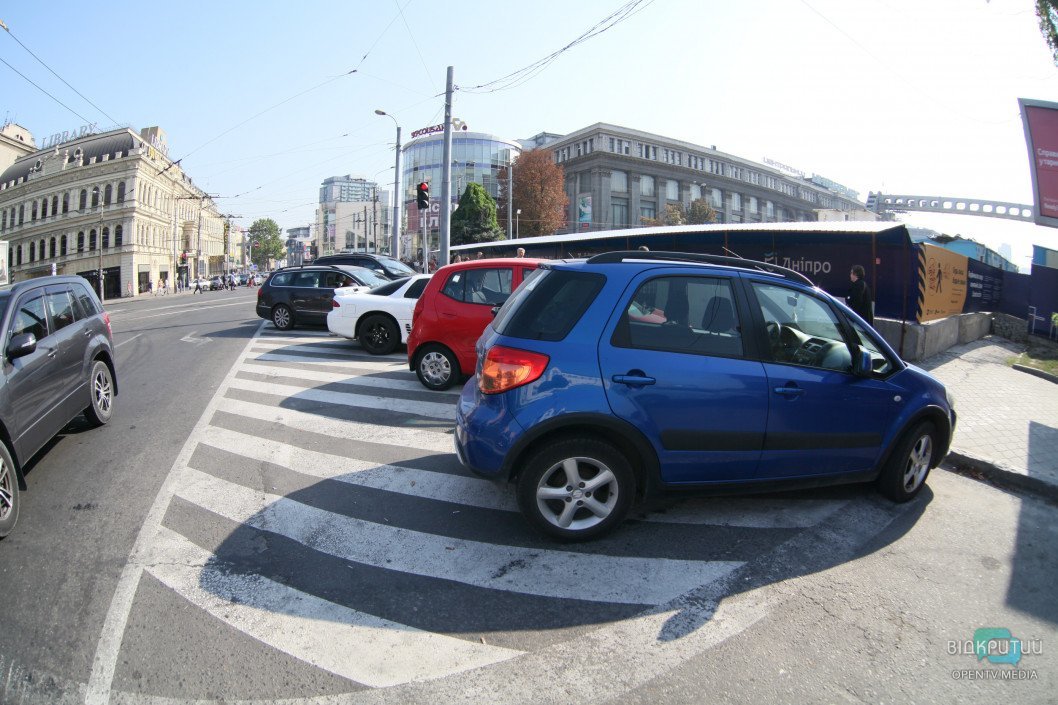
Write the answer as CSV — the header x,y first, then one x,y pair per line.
x,y
279,516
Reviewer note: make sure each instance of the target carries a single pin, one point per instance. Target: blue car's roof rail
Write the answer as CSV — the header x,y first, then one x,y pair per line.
x,y
623,255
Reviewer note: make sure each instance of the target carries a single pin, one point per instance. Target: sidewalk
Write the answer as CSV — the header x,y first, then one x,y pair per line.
x,y
1007,419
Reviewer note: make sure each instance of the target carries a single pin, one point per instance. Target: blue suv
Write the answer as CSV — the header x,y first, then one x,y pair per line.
x,y
633,373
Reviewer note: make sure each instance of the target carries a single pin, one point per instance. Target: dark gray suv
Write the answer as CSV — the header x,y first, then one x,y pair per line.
x,y
58,362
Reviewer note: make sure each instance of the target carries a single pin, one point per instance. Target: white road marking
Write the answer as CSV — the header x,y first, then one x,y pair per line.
x,y
358,646
423,439
365,380
359,364
422,408
127,340
548,573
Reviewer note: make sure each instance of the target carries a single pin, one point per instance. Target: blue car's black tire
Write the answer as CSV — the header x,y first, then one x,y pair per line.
x,y
904,474
576,489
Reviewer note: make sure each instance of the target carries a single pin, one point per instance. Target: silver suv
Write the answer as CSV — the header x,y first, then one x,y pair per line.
x,y
58,362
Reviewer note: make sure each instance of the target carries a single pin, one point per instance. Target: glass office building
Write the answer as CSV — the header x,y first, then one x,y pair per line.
x,y
476,156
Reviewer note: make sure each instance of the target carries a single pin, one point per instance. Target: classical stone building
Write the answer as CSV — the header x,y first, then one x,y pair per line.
x,y
617,177
111,202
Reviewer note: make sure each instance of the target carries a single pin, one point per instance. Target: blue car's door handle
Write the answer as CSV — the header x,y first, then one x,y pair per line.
x,y
634,379
789,391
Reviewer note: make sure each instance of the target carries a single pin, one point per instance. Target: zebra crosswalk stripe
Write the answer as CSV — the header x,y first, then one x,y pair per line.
x,y
437,410
358,646
547,573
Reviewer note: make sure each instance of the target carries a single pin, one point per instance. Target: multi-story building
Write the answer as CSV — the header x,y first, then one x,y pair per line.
x,y
15,142
353,214
476,157
299,245
617,177
110,203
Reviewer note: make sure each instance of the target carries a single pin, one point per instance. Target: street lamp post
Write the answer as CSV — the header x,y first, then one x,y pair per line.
x,y
395,236
517,216
99,240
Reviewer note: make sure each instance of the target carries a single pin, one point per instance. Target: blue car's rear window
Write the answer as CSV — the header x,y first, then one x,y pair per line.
x,y
548,304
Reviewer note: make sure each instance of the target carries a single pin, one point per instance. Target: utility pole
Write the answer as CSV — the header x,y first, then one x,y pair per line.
x,y
446,176
510,192
365,228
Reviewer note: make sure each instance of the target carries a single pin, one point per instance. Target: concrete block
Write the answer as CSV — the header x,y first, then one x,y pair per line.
x,y
974,326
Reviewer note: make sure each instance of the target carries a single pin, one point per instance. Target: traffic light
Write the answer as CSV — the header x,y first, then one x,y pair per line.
x,y
422,195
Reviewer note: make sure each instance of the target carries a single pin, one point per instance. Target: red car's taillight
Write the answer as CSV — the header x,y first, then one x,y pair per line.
x,y
335,304
507,368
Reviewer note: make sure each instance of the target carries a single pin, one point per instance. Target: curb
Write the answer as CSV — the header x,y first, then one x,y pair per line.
x,y
1036,373
999,476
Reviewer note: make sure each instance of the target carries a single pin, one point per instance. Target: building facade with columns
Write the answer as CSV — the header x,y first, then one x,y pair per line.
x,y
617,177
111,202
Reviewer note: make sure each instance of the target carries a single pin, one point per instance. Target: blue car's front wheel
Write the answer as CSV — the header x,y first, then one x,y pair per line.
x,y
576,489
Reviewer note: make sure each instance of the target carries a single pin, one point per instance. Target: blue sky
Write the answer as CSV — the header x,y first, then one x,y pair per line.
x,y
896,95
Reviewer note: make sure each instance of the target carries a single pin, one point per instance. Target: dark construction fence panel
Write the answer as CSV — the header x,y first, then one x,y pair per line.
x,y
1043,294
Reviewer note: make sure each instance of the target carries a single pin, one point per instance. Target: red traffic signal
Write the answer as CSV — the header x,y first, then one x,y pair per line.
x,y
422,195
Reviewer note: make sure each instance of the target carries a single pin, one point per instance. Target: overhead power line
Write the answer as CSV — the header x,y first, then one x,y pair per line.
x,y
45,92
41,61
516,78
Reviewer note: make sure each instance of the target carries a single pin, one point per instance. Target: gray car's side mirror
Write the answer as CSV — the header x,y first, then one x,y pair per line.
x,y
21,345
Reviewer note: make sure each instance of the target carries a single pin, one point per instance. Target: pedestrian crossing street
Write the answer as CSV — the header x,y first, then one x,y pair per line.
x,y
321,510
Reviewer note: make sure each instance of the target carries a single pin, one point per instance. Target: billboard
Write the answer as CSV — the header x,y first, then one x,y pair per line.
x,y
942,282
1040,119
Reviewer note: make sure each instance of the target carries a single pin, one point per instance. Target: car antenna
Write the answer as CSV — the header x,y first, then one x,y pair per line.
x,y
733,253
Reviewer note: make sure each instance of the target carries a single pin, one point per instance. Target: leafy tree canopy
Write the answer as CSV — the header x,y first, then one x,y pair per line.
x,y
1047,13
268,245
539,193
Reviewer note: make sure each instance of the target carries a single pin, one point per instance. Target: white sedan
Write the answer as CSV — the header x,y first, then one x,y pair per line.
x,y
380,318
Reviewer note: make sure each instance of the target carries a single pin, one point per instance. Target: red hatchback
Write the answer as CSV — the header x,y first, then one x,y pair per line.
x,y
452,312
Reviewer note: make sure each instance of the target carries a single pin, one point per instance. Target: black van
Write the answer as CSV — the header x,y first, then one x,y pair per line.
x,y
386,266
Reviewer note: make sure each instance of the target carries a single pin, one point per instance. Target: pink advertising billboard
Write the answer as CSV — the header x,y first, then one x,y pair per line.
x,y
1041,134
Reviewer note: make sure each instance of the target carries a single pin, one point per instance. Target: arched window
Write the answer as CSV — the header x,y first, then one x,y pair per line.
x,y
44,208
21,213
41,249
117,236
62,246
95,197
18,255
32,251
91,239
107,192
51,248
3,220
80,241
66,203
121,192
55,205
106,238
84,199
33,211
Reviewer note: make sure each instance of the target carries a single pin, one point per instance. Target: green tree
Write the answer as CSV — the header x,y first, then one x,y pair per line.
x,y
264,233
674,214
1047,14
700,212
475,218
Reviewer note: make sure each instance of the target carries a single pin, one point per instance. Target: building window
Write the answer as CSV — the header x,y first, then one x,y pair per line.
x,y
3,220
44,208
736,203
106,238
619,212
21,214
91,239
117,236
716,198
647,211
121,192
32,251
84,200
80,241
66,203
646,185
18,255
62,246
769,209
696,192
672,190
107,192
51,248
619,181
752,203
95,197
33,211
